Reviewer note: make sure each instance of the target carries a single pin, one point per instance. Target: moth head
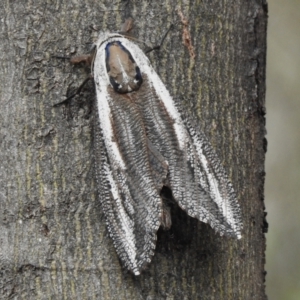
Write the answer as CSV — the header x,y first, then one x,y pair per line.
x,y
123,72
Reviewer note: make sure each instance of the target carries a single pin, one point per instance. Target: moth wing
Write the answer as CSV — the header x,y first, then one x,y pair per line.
x,y
216,202
197,178
130,174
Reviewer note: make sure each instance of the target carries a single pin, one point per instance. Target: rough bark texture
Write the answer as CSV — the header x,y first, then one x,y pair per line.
x,y
54,243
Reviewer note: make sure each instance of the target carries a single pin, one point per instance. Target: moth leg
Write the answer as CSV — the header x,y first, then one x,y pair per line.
x,y
86,59
127,26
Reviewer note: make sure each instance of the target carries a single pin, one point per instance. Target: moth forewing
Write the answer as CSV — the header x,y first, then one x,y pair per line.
x,y
134,206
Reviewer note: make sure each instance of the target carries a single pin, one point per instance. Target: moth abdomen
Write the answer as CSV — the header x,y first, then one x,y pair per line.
x,y
122,70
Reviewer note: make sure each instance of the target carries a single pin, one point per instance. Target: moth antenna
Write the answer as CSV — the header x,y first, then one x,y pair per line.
x,y
157,47
127,27
61,56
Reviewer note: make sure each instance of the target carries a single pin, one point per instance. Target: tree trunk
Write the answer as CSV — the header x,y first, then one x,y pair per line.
x,y
54,242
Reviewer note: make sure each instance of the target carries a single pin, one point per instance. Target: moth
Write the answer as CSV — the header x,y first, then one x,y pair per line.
x,y
143,143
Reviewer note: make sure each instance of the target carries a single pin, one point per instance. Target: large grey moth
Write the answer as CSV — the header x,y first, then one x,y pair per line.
x,y
144,143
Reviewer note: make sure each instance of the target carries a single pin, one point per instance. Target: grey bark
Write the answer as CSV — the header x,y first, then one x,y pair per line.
x,y
54,243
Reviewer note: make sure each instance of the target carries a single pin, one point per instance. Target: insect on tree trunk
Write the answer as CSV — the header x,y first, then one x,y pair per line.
x,y
53,239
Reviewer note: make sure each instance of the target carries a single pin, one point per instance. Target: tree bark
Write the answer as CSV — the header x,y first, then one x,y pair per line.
x,y
54,242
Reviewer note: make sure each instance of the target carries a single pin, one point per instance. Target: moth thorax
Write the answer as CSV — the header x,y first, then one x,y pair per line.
x,y
123,72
